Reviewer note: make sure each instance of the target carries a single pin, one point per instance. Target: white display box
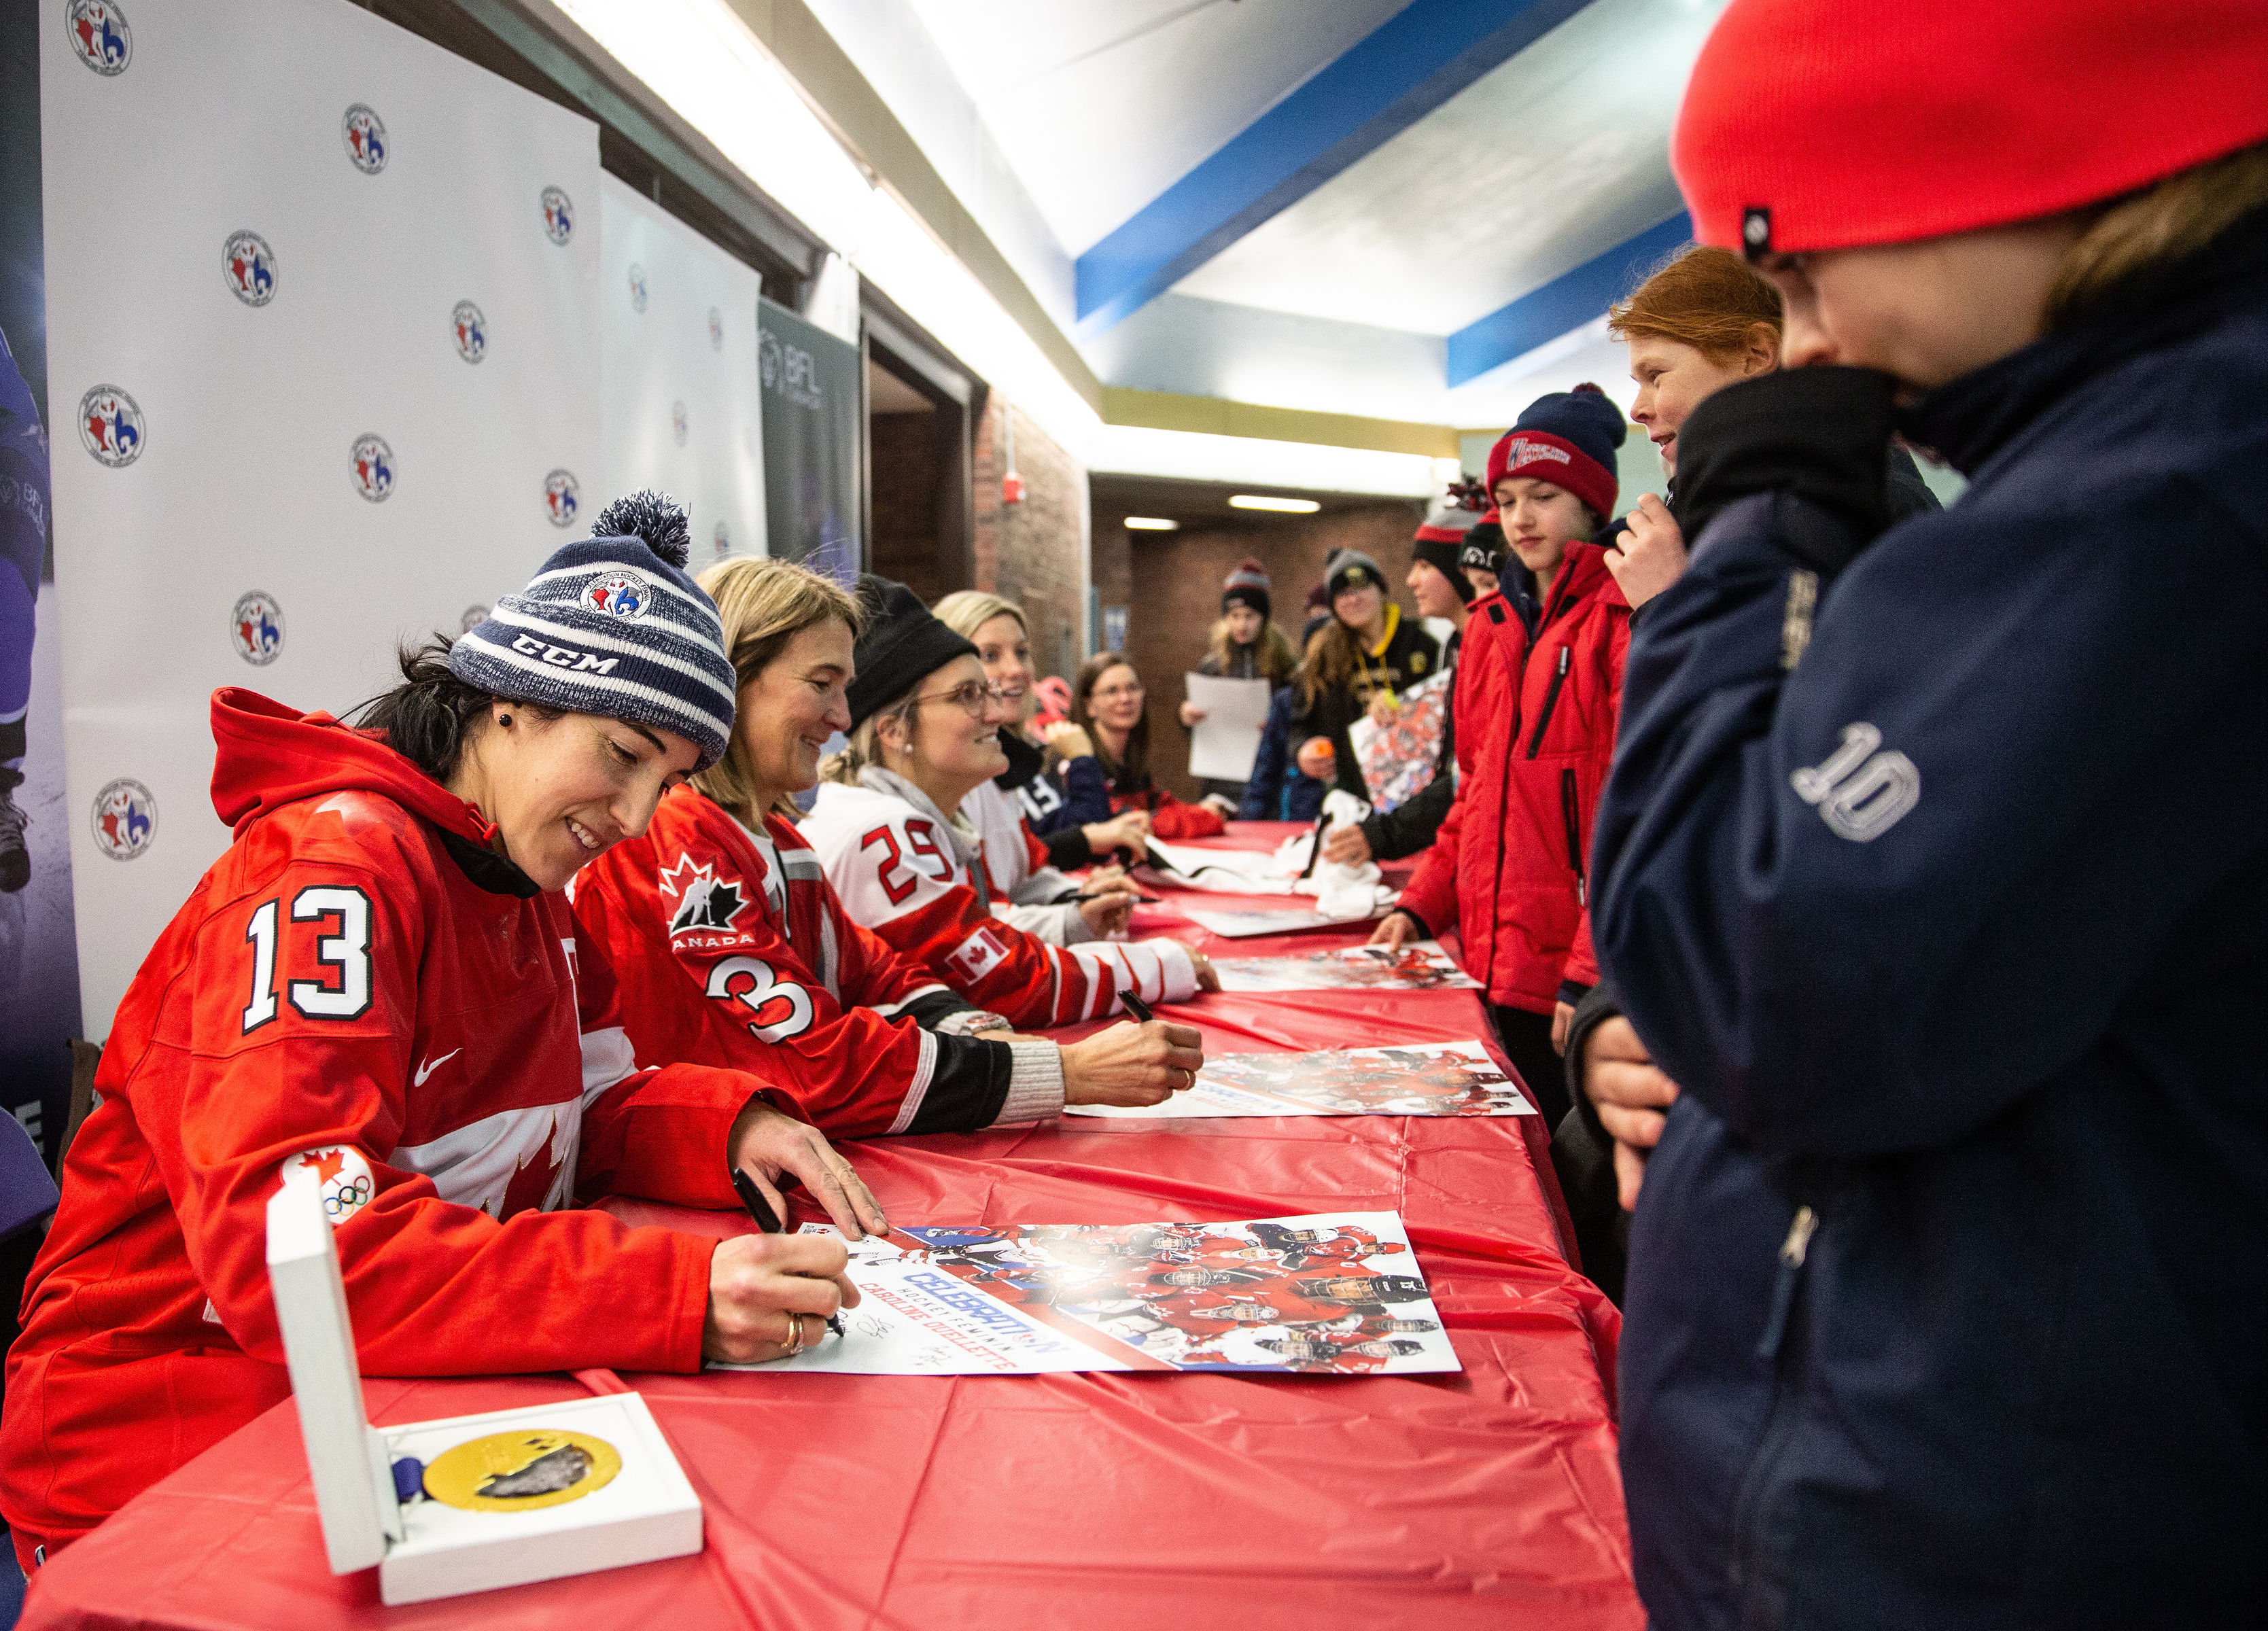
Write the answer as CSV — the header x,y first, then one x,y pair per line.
x,y
424,1548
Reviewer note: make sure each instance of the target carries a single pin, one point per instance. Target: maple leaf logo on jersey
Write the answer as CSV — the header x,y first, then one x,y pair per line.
x,y
704,901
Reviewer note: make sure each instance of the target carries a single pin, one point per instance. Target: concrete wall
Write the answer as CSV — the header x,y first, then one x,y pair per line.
x,y
1173,592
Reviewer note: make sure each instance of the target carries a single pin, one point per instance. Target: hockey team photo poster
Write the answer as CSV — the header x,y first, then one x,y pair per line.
x,y
1328,1294
1415,1079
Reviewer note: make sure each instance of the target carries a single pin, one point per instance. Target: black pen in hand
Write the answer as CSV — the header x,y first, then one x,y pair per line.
x,y
768,1222
1135,1006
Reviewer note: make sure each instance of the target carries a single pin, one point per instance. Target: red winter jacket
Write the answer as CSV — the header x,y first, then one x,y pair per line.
x,y
1508,868
735,951
359,986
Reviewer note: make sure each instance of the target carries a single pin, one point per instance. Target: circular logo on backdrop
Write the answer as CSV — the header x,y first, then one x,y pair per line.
x,y
637,289
723,540
619,594
563,496
250,265
110,424
677,422
125,819
716,329
372,463
364,132
98,35
768,360
473,617
256,627
558,216
471,329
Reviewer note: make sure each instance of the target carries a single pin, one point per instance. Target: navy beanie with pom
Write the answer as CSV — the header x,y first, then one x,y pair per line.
x,y
1567,438
614,627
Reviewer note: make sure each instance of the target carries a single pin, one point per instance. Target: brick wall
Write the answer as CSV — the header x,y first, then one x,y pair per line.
x,y
1029,552
1173,589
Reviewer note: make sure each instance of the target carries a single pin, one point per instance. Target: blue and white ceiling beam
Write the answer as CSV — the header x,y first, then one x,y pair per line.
x,y
1400,72
1567,303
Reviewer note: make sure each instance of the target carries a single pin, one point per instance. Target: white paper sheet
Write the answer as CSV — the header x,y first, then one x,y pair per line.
x,y
1418,965
1224,743
1231,925
1415,1079
1328,1294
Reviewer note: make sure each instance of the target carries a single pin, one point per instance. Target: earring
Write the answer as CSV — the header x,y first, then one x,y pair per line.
x,y
504,720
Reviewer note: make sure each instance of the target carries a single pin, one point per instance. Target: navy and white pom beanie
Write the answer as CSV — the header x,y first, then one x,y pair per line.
x,y
614,627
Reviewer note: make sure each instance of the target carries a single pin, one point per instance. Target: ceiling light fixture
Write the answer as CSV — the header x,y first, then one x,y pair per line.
x,y
1153,523
1287,506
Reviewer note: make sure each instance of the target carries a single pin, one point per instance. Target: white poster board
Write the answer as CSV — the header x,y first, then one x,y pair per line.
x,y
681,390
320,297
1224,743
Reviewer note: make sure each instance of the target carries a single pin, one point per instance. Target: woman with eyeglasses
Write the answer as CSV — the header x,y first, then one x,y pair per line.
x,y
1033,821
924,725
1109,703
733,950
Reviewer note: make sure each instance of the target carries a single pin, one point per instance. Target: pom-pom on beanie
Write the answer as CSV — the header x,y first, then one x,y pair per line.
x,y
1806,125
1348,568
901,644
1567,438
614,627
1442,549
1248,585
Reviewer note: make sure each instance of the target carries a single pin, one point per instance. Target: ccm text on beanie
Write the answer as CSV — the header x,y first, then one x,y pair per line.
x,y
614,627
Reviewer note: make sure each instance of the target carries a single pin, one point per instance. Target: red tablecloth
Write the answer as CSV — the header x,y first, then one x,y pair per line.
x,y
1104,1501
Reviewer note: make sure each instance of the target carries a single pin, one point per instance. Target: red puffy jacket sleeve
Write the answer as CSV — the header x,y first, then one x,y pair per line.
x,y
316,1067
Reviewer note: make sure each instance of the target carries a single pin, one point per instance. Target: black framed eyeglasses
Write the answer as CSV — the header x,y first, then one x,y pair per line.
x,y
970,696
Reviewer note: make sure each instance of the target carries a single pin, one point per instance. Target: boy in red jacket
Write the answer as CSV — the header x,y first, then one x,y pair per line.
x,y
1509,868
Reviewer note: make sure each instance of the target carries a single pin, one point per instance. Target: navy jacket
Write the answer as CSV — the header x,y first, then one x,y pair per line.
x,y
1956,932
1279,791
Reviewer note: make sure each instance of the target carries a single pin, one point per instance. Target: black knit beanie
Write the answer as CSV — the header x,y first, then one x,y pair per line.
x,y
1351,569
900,645
1248,585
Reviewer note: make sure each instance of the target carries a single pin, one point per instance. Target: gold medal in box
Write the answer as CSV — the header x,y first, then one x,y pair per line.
x,y
520,1472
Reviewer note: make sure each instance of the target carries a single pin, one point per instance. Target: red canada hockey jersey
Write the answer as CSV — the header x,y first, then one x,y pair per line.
x,y
359,986
904,871
733,951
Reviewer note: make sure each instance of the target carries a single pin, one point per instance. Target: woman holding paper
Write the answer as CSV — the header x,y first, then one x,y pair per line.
x,y
1110,703
1246,644
1356,661
908,864
380,986
734,949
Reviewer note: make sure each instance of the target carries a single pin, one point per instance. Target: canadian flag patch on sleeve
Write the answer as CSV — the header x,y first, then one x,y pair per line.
x,y
343,1174
979,955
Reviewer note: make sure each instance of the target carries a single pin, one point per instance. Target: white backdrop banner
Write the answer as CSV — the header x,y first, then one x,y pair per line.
x,y
320,301
677,325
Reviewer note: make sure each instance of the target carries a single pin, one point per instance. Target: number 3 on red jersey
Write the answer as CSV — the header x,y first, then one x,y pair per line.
x,y
342,914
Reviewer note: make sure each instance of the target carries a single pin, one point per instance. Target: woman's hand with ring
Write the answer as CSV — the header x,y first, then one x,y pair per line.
x,y
1132,1064
755,1279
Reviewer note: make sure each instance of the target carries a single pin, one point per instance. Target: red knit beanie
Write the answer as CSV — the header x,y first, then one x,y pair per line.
x,y
1817,124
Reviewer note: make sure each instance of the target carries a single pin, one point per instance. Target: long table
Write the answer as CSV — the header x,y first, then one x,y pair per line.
x,y
1487,1498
